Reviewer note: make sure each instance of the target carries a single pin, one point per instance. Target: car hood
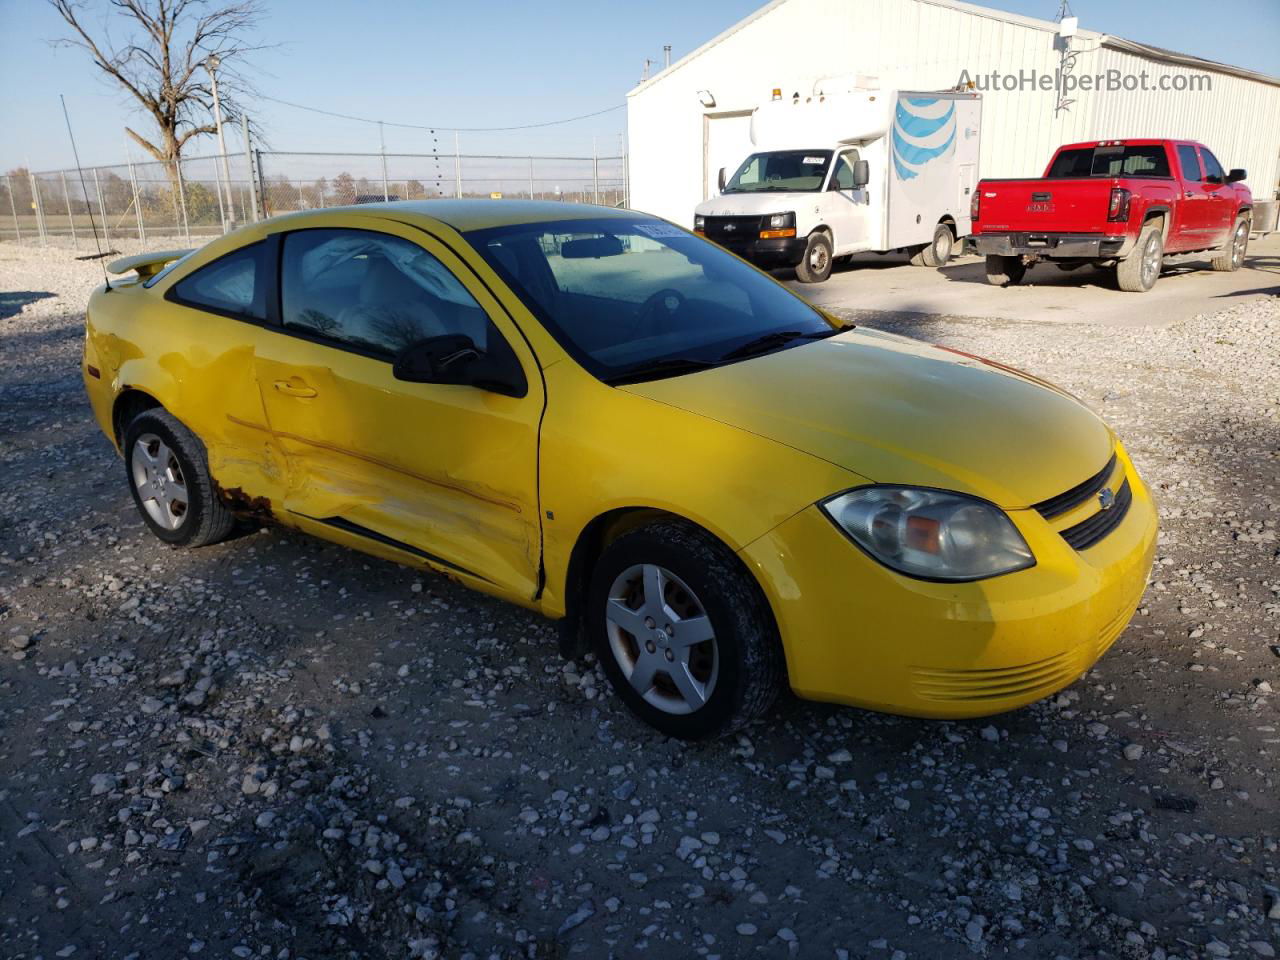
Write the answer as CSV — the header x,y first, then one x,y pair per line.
x,y
895,410
744,204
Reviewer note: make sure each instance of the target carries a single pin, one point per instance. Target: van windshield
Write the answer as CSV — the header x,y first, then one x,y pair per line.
x,y
638,299
781,171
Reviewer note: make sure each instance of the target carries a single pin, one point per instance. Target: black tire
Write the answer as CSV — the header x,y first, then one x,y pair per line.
x,y
750,670
1231,257
815,265
939,251
1138,272
204,519
1005,271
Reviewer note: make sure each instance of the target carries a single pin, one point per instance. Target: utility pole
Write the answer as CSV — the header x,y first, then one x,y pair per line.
x,y
212,64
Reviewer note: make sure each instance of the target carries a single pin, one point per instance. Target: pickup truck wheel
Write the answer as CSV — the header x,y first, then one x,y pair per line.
x,y
1138,272
1232,255
937,253
1005,271
815,266
683,631
169,478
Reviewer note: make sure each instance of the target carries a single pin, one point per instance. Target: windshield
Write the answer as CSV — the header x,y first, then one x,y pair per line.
x,y
640,299
1111,161
781,171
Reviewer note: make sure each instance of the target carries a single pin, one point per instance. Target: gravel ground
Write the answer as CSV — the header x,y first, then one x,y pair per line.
x,y
279,748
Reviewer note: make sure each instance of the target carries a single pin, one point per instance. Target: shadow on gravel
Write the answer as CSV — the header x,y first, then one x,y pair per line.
x,y
12,301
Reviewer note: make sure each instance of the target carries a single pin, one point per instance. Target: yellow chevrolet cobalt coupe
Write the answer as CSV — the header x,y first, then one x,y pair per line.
x,y
592,413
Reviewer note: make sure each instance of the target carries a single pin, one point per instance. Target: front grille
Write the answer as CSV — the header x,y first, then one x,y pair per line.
x,y
1088,532
1064,502
729,229
996,684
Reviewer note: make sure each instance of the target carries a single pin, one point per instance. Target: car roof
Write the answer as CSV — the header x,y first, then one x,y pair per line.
x,y
473,214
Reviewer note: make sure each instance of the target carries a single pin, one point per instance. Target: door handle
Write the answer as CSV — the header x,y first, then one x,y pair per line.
x,y
294,389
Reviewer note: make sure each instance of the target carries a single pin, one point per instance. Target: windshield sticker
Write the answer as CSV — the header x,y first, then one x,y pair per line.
x,y
659,231
815,159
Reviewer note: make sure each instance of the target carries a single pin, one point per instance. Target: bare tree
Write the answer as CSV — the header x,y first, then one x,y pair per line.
x,y
162,63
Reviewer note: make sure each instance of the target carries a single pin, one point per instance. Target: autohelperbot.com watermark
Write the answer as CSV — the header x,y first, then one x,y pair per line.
x,y
1108,81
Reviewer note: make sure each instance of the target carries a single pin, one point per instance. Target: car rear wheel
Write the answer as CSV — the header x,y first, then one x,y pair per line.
x,y
169,477
815,266
683,632
938,252
1231,257
1138,272
1005,271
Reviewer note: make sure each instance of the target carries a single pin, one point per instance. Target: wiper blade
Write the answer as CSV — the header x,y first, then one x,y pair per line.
x,y
666,367
771,341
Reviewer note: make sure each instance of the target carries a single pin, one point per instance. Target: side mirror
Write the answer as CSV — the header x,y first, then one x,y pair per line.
x,y
453,358
720,180
1236,175
861,173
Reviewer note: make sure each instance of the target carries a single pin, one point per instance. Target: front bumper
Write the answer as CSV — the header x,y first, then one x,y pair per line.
x,y
855,632
1066,246
770,252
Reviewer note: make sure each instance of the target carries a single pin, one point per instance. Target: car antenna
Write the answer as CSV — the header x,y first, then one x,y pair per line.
x,y
85,190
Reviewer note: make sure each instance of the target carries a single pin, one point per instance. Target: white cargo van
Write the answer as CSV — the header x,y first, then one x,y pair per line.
x,y
834,175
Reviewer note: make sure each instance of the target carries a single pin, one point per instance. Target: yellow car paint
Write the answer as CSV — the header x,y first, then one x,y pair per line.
x,y
497,491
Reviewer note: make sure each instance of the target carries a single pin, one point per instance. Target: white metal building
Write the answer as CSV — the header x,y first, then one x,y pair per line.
x,y
694,117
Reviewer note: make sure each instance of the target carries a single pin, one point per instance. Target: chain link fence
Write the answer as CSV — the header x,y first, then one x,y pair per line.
x,y
202,197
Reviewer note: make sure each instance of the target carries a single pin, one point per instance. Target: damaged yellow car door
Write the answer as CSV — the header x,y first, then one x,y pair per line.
x,y
444,471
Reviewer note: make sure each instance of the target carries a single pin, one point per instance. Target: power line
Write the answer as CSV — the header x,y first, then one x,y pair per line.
x,y
420,126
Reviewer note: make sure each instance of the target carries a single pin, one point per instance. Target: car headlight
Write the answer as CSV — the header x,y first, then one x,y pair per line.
x,y
700,223
930,534
780,220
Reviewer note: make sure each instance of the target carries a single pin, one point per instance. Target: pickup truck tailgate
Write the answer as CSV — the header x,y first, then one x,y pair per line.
x,y
1051,206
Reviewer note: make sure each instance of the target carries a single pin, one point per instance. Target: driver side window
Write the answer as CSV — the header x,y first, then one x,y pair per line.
x,y
842,179
1212,168
372,292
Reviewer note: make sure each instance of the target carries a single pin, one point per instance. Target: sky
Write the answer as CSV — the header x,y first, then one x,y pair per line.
x,y
424,61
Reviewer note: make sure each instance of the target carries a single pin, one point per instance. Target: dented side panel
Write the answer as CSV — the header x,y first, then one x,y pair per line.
x,y
447,470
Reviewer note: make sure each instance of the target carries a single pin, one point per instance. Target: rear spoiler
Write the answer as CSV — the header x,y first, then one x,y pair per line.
x,y
146,264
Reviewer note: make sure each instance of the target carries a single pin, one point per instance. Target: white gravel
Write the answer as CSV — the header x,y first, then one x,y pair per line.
x,y
279,748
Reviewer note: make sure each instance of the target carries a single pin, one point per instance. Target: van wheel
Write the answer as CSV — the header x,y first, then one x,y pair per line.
x,y
683,631
937,253
1005,271
1138,272
1230,258
169,478
815,266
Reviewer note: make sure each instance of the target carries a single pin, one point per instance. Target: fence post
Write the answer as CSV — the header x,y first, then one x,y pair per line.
x,y
66,195
182,203
382,149
595,170
222,209
457,167
248,159
302,201
102,209
260,184
137,202
531,178
38,206
13,207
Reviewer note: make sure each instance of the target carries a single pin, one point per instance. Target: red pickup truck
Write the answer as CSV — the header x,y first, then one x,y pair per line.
x,y
1126,203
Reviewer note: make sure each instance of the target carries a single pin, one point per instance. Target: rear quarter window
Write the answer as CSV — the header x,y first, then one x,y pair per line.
x,y
234,284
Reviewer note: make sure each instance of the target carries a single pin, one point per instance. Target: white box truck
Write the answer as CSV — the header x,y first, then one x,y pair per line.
x,y
835,175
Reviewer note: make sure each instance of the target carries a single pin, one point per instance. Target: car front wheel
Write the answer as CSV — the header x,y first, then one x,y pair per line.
x,y
683,632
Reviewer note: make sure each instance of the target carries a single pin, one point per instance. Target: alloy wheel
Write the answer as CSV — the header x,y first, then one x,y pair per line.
x,y
1238,244
662,638
1151,261
157,476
